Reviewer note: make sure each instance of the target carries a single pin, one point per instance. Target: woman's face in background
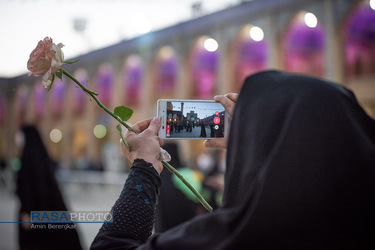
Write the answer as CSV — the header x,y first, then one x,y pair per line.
x,y
19,139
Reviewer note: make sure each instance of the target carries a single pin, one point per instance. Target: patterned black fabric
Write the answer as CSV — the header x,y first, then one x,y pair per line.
x,y
134,211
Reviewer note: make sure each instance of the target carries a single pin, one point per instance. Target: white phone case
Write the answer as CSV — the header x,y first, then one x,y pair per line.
x,y
192,119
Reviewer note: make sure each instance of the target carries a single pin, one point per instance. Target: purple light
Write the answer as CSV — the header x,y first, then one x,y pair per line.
x,y
251,58
304,49
105,81
360,42
167,72
79,94
58,97
40,100
133,79
204,72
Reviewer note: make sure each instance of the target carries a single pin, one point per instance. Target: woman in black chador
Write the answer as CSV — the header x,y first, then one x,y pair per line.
x,y
203,130
300,175
38,190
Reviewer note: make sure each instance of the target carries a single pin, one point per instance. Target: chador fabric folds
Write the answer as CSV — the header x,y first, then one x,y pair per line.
x,y
300,172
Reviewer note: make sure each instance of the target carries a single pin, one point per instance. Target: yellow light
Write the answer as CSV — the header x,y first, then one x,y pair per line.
x,y
55,135
210,45
256,34
166,52
311,20
100,131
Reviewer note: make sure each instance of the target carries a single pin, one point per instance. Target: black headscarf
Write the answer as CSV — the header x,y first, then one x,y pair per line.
x,y
38,190
300,172
37,187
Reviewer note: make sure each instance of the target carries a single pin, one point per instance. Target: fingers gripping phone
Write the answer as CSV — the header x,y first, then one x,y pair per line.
x,y
192,119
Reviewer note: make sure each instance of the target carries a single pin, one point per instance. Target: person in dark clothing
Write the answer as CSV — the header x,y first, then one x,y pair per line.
x,y
212,130
37,190
300,175
173,207
203,130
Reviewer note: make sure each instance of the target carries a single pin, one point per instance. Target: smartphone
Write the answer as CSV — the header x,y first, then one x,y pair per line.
x,y
192,119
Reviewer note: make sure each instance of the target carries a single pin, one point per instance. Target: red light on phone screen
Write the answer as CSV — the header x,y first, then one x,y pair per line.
x,y
168,130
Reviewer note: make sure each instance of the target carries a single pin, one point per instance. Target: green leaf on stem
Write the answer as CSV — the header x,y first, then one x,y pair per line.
x,y
119,128
66,62
59,74
50,86
123,112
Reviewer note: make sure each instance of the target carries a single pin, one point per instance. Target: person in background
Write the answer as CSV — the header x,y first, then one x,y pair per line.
x,y
214,179
182,208
38,190
300,174
3,168
203,130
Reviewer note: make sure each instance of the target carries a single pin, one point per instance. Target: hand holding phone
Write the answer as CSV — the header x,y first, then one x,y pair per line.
x,y
229,102
192,119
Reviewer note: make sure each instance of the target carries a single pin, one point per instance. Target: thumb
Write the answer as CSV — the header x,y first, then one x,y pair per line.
x,y
155,125
216,143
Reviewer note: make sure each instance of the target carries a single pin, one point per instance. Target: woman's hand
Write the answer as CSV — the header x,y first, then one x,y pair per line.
x,y
228,101
146,144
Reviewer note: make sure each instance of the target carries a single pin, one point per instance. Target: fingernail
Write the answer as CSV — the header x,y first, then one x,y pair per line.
x,y
156,119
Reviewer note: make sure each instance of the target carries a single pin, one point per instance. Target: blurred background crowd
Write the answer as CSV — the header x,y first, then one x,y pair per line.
x,y
207,50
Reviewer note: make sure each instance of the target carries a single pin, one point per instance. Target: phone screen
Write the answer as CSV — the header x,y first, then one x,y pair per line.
x,y
194,119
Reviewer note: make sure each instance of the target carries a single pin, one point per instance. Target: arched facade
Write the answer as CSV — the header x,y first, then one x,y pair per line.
x,y
165,73
203,67
249,53
133,73
174,63
359,30
304,45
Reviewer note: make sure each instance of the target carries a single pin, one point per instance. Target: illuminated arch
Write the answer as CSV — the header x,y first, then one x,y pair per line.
x,y
304,46
105,82
359,35
166,66
21,102
250,53
133,74
204,69
58,96
40,97
79,96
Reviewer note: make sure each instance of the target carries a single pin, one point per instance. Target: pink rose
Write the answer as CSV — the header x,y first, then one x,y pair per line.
x,y
45,60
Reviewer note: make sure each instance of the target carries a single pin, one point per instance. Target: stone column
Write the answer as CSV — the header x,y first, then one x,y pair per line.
x,y
334,49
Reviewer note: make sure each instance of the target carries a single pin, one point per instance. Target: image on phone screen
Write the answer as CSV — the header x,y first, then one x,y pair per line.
x,y
192,119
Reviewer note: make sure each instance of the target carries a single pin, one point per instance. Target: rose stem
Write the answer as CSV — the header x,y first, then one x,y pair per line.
x,y
166,164
197,194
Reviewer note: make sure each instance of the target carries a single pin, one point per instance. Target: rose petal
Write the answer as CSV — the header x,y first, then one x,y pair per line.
x,y
164,155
